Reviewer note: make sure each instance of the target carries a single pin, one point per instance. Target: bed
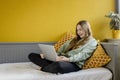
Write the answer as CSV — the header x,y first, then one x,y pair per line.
x,y
16,66
29,71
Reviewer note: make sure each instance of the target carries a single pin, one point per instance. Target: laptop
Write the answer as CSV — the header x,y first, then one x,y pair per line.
x,y
48,51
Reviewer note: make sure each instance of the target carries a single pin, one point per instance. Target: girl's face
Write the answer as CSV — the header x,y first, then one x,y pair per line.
x,y
80,31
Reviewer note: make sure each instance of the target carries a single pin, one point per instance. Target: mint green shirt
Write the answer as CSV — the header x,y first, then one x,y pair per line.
x,y
79,55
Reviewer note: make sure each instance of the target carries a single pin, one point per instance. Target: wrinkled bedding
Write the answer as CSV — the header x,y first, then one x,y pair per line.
x,y
30,71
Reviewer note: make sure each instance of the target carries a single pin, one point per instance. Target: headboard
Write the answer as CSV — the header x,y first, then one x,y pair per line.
x,y
113,50
18,52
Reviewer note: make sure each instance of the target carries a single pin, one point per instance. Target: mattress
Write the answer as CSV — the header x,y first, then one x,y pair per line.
x,y
30,71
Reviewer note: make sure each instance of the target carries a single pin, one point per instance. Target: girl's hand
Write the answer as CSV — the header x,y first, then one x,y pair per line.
x,y
66,59
59,58
62,58
42,55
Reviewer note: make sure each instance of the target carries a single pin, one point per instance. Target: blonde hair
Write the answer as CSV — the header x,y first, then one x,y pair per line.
x,y
77,41
86,26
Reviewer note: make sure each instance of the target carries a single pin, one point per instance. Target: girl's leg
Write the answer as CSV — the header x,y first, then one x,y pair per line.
x,y
61,67
35,58
66,67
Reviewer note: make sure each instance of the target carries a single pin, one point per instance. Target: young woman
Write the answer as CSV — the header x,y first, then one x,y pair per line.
x,y
72,54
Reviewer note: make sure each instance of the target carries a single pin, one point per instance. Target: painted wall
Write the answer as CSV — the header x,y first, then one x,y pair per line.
x,y
48,20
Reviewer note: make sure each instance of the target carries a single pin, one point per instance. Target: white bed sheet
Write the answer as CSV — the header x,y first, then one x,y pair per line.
x,y
30,71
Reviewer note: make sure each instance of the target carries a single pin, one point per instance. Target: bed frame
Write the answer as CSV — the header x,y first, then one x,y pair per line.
x,y
18,52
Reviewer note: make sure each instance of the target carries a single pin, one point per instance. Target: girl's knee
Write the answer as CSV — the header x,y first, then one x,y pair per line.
x,y
31,55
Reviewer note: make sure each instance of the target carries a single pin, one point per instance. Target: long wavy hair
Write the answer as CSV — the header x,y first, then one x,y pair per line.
x,y
78,41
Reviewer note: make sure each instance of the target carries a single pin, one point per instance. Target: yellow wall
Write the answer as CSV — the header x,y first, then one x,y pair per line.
x,y
48,20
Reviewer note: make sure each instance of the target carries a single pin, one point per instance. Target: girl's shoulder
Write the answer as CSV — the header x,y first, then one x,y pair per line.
x,y
93,41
